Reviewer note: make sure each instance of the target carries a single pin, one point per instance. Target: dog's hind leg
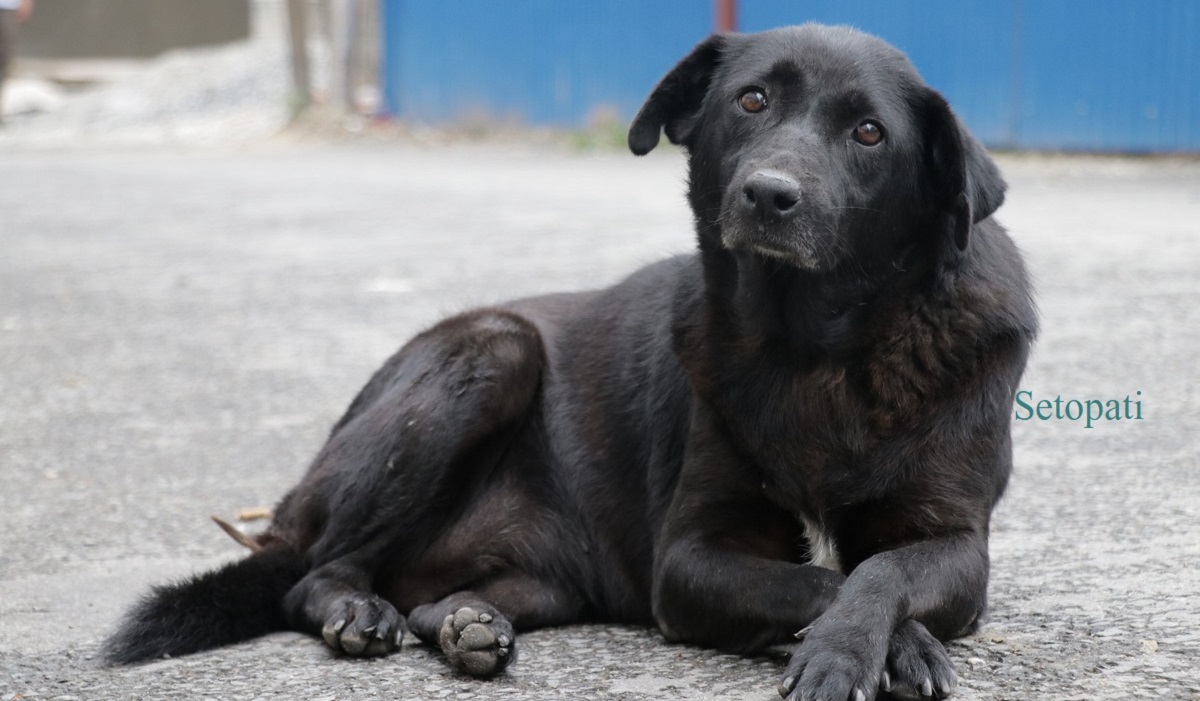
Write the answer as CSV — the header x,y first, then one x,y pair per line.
x,y
335,601
475,629
409,458
476,637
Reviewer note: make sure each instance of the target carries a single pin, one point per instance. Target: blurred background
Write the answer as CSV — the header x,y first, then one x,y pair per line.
x,y
1075,75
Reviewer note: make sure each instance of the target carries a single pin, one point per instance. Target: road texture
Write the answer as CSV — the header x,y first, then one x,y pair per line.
x,y
179,329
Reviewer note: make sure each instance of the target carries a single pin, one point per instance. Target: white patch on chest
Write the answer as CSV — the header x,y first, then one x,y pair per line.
x,y
822,550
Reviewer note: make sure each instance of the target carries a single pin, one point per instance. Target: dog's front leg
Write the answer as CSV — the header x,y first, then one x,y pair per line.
x,y
710,593
729,564
893,600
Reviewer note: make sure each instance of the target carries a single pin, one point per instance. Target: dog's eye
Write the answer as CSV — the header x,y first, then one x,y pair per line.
x,y
753,101
868,133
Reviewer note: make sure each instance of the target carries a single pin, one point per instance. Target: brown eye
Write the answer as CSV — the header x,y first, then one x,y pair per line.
x,y
753,101
868,133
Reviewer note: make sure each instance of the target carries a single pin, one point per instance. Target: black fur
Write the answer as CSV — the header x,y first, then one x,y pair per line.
x,y
238,602
803,426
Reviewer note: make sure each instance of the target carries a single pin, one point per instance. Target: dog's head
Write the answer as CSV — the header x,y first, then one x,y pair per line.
x,y
818,145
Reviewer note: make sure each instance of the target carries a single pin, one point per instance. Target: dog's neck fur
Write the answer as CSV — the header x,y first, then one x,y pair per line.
x,y
813,315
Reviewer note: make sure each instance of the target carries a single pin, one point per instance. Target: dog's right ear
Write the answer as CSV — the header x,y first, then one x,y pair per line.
x,y
675,102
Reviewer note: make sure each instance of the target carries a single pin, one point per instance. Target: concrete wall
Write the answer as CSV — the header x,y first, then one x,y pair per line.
x,y
129,28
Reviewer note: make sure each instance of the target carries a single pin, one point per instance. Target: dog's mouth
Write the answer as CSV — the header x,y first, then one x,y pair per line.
x,y
792,244
801,259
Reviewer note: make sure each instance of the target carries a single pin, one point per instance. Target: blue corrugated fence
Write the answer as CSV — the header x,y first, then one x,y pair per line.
x,y
1118,75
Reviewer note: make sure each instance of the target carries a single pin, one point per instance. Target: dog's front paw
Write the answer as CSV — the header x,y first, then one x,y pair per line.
x,y
363,625
917,665
841,667
479,643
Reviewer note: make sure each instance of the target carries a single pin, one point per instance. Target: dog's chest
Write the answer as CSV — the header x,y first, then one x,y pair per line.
x,y
811,436
797,420
822,548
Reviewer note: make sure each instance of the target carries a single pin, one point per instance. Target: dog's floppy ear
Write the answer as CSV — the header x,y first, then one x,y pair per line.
x,y
675,102
965,179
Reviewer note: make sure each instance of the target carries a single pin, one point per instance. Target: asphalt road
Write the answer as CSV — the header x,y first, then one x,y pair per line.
x,y
178,330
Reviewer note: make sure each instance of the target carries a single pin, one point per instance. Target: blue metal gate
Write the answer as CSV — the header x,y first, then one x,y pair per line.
x,y
1117,75
534,61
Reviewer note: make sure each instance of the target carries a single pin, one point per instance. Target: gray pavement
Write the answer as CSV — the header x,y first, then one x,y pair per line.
x,y
178,330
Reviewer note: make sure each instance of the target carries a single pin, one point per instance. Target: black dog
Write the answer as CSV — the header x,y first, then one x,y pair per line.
x,y
802,428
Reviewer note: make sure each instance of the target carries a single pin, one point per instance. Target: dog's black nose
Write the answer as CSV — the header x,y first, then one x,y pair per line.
x,y
773,195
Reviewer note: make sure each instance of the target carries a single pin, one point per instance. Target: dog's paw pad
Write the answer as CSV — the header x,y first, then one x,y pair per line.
x,y
364,626
478,643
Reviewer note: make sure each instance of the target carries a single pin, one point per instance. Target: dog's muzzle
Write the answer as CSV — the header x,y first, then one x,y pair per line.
x,y
763,213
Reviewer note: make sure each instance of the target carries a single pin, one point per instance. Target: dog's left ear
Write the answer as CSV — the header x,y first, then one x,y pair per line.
x,y
966,180
675,102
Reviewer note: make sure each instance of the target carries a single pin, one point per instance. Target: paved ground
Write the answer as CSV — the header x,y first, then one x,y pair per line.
x,y
179,329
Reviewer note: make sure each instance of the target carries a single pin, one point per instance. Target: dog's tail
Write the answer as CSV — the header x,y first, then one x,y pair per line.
x,y
237,602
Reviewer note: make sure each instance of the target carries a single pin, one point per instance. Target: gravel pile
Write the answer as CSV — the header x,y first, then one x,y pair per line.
x,y
232,93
